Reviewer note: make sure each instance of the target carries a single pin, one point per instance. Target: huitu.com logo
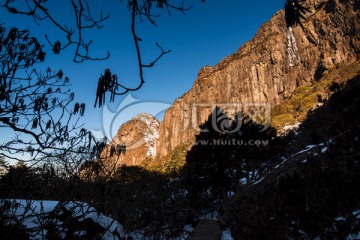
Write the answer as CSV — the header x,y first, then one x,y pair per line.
x,y
232,142
225,117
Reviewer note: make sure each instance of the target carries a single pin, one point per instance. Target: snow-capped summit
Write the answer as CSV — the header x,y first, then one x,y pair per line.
x,y
138,138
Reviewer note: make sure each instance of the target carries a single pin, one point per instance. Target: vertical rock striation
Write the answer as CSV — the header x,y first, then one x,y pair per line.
x,y
268,68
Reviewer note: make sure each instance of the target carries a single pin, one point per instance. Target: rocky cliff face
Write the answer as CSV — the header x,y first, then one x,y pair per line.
x,y
266,70
139,135
263,73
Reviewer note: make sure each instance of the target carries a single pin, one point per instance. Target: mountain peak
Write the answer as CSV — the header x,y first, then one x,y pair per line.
x,y
139,135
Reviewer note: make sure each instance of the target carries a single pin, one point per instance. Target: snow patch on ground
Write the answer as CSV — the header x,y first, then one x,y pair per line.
x,y
210,216
230,194
323,150
355,236
226,235
243,181
338,219
307,148
284,159
258,180
187,230
35,214
139,234
356,214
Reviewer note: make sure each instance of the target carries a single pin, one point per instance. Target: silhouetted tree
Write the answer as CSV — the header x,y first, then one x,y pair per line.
x,y
9,227
86,18
255,146
204,169
37,108
226,150
4,167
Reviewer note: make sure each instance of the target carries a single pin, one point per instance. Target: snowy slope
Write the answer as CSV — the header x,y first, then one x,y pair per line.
x,y
38,216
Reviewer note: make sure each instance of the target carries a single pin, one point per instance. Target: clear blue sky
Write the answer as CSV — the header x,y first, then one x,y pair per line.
x,y
203,36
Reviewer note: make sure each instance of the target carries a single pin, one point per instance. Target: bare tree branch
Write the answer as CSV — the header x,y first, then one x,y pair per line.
x,y
36,107
83,20
139,10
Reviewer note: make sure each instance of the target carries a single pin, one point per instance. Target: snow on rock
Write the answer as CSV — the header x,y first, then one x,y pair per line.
x,y
293,127
151,134
37,215
292,49
138,137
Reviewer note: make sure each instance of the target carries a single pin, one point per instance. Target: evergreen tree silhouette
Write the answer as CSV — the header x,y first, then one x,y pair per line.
x,y
226,150
204,169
